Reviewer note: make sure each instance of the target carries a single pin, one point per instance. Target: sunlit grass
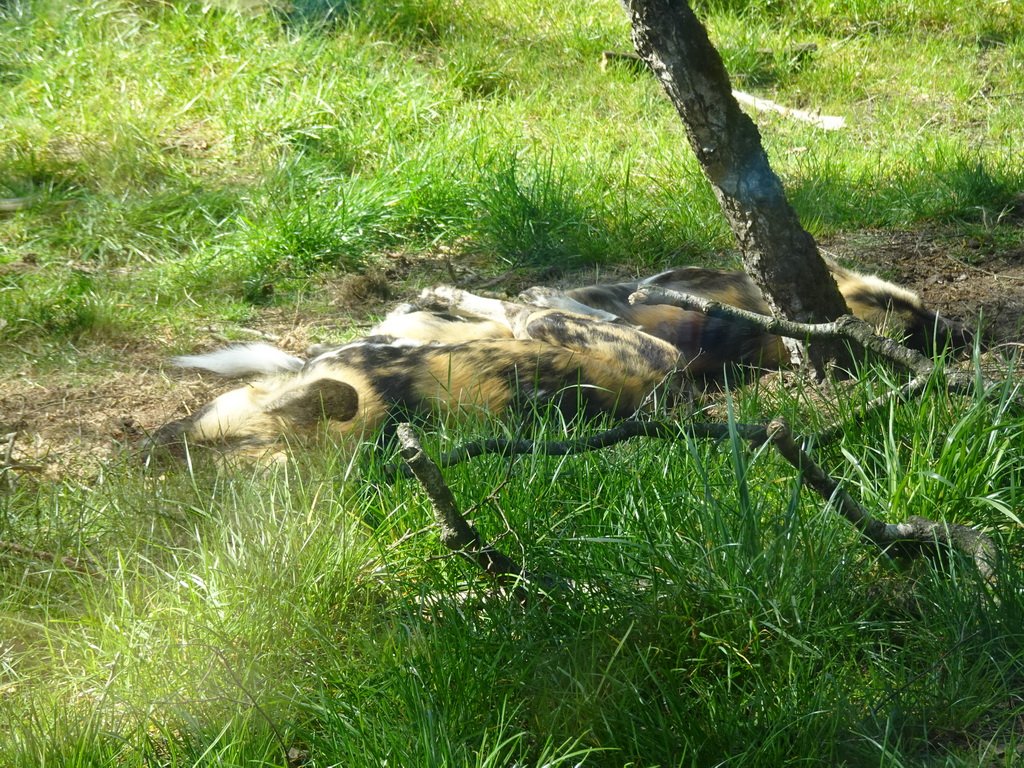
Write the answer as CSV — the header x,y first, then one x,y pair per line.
x,y
152,136
187,163
704,607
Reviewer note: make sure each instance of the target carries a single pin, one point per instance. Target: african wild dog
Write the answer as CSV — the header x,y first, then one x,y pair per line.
x,y
579,350
710,343
349,393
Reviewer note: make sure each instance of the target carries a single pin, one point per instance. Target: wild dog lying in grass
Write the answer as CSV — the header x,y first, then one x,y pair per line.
x,y
710,343
481,354
351,392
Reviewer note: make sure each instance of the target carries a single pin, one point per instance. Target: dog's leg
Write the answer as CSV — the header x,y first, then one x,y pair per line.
x,y
631,366
620,346
552,298
460,302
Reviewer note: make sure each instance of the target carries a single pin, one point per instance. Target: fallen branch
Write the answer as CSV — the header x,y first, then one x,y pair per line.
x,y
454,530
626,430
847,328
826,122
919,532
7,462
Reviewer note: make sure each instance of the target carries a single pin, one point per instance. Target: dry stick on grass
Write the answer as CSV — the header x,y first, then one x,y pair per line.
x,y
916,531
459,536
7,462
827,122
920,532
455,531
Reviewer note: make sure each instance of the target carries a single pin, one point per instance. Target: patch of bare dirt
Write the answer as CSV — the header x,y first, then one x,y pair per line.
x,y
72,422
954,278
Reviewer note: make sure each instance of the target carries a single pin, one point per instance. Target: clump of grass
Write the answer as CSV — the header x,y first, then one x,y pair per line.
x,y
66,309
536,219
961,189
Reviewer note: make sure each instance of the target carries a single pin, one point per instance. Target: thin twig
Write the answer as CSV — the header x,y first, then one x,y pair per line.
x,y
829,123
943,655
493,281
956,383
626,430
21,467
286,752
826,122
988,273
8,462
835,430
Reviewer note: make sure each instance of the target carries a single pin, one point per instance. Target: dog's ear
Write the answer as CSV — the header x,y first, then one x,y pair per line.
x,y
319,400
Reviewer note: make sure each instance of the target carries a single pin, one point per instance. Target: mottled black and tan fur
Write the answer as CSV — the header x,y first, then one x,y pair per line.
x,y
708,342
350,393
586,350
891,309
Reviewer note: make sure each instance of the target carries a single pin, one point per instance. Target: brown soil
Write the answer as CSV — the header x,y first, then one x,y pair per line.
x,y
953,278
70,424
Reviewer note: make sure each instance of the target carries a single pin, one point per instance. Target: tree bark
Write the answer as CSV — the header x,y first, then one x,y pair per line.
x,y
777,252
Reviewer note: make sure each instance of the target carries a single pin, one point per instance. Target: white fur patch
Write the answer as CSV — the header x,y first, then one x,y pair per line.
x,y
653,279
243,360
550,298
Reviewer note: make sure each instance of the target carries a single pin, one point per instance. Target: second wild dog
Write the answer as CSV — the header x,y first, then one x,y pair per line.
x,y
349,393
710,343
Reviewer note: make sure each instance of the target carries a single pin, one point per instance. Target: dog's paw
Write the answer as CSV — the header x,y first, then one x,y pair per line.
x,y
608,317
552,298
542,296
445,296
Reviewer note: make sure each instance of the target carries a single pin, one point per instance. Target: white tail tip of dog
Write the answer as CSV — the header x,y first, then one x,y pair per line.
x,y
243,360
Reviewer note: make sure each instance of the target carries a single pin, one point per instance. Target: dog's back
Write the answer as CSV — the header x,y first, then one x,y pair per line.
x,y
891,309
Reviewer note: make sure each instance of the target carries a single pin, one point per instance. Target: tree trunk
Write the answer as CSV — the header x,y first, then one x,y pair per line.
x,y
777,252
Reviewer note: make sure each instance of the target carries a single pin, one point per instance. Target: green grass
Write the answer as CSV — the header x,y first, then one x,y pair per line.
x,y
189,165
159,135
708,611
